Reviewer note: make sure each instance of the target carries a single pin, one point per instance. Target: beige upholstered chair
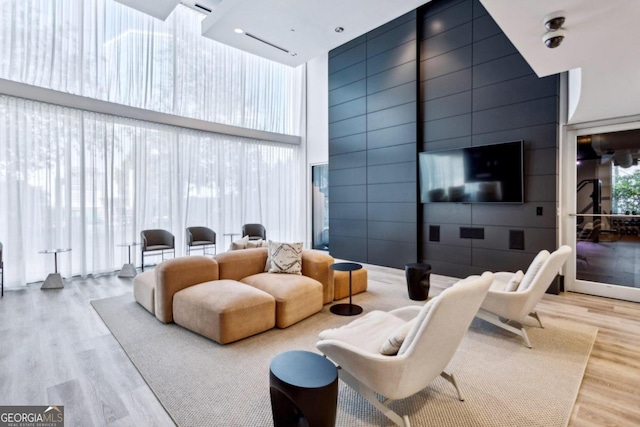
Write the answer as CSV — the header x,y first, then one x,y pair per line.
x,y
509,302
156,240
201,237
424,337
254,231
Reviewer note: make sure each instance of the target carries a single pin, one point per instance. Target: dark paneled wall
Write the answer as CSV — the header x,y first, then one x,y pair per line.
x,y
476,89
373,144
459,83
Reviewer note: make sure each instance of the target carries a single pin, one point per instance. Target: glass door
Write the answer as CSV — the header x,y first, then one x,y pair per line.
x,y
603,223
320,207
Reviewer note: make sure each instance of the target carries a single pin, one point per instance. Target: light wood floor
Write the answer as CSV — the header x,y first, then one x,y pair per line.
x,y
54,349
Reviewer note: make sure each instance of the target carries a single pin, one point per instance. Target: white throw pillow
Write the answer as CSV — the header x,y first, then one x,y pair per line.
x,y
392,344
285,257
533,270
239,244
413,331
254,243
513,284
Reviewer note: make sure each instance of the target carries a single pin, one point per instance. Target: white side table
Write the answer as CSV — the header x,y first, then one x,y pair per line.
x,y
54,280
128,270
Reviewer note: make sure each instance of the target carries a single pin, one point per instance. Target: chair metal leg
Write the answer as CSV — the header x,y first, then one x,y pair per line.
x,y
142,255
495,320
452,380
537,317
370,396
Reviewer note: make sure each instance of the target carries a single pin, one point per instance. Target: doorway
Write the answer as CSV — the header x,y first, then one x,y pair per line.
x,y
602,193
320,207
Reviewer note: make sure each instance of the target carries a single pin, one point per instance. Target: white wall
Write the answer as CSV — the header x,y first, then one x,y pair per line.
x,y
317,138
318,110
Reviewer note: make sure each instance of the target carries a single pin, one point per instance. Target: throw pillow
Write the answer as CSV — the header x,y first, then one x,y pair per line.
x,y
411,335
254,243
533,270
392,344
513,284
239,244
285,257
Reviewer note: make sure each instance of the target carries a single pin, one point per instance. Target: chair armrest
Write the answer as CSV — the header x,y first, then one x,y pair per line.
x,y
377,371
505,304
177,274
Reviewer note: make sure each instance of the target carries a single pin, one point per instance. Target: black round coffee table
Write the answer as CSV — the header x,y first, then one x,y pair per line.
x,y
303,389
346,309
417,275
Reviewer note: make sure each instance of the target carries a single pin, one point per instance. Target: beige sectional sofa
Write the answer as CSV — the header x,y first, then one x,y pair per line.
x,y
230,297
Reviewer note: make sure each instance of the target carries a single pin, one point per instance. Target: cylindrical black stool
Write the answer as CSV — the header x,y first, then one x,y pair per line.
x,y
418,280
304,390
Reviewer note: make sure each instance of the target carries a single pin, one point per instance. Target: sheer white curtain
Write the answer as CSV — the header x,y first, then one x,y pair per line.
x,y
71,178
89,181
102,49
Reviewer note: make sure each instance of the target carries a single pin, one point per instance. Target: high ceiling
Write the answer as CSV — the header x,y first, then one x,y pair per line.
x,y
287,31
599,47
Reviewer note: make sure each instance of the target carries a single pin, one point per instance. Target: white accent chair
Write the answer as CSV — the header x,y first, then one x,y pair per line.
x,y
506,308
433,333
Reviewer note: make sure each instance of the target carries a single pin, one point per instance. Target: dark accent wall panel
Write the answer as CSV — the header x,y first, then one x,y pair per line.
x,y
373,134
441,77
476,89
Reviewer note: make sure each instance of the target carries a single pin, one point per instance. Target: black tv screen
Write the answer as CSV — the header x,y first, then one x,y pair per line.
x,y
484,174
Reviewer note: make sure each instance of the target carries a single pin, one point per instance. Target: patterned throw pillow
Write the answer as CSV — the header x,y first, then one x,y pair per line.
x,y
285,257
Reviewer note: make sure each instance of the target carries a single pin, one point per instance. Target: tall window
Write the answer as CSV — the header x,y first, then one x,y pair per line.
x,y
71,178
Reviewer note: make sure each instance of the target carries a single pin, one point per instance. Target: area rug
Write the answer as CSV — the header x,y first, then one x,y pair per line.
x,y
202,383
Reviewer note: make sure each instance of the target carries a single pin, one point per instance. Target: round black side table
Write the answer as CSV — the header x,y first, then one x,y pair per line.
x,y
346,309
418,280
304,390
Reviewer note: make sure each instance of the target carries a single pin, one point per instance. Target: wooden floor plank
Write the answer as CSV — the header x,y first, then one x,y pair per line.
x,y
56,350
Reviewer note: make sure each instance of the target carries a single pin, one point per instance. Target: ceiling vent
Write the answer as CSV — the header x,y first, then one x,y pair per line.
x,y
267,43
202,6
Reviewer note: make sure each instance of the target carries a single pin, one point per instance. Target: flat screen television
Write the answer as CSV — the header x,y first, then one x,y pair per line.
x,y
483,174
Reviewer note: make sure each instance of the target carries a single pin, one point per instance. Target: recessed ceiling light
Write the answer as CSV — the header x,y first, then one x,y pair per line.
x,y
339,29
239,30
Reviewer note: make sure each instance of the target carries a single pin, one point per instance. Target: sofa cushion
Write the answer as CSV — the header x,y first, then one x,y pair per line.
x,y
235,265
297,297
224,310
359,280
285,257
176,274
315,264
144,288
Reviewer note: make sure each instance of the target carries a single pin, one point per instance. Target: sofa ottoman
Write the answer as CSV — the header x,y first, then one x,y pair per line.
x,y
297,297
341,283
224,310
144,289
